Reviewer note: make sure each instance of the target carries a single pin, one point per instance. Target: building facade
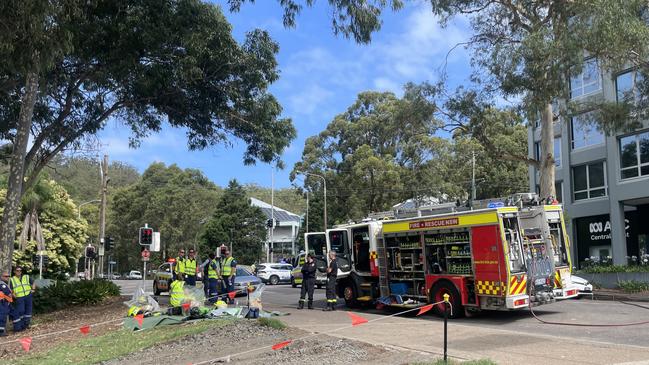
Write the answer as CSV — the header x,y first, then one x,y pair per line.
x,y
602,180
281,240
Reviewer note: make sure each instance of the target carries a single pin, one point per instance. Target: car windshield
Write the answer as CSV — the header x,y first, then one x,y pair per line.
x,y
243,272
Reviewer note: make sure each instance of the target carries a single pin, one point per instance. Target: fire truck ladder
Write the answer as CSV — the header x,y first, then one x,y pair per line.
x,y
384,286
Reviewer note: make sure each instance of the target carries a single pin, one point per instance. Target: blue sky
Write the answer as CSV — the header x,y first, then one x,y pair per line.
x,y
320,76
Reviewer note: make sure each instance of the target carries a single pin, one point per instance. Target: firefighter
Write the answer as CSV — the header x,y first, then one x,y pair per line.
x,y
5,301
308,282
176,295
228,271
179,265
190,268
22,287
213,273
332,274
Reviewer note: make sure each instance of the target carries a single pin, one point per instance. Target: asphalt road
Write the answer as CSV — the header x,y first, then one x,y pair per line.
x,y
584,311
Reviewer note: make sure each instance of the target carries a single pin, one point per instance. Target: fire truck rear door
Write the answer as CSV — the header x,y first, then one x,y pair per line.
x,y
315,243
338,241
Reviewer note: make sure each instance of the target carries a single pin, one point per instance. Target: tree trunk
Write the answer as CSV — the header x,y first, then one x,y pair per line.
x,y
17,171
546,159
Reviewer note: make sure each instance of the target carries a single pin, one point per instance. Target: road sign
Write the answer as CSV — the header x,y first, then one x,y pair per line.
x,y
145,255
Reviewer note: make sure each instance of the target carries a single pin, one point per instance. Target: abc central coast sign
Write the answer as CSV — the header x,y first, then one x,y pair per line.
x,y
602,230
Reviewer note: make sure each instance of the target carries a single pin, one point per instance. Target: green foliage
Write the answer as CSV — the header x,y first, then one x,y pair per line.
x,y
236,221
173,201
594,268
633,286
64,234
272,323
384,150
62,294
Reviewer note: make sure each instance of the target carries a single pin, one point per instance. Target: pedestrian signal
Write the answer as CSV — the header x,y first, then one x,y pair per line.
x,y
90,252
146,236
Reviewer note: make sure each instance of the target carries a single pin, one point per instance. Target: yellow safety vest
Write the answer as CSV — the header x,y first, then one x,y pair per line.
x,y
227,266
190,267
179,267
21,287
301,261
212,273
177,293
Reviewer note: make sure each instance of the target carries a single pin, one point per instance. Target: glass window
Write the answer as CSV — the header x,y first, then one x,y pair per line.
x,y
589,181
559,188
338,241
634,155
584,131
588,81
317,244
627,86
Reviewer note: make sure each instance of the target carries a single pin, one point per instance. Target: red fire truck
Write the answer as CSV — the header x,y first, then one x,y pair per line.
x,y
498,258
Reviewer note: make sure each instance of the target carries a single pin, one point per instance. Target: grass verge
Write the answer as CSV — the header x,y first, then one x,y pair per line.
x,y
91,350
272,323
453,362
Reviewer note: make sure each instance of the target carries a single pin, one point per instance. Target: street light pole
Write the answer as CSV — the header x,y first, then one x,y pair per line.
x,y
325,192
85,203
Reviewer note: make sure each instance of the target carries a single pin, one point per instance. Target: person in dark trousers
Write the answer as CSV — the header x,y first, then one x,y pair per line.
x,y
332,274
308,282
228,272
22,287
6,298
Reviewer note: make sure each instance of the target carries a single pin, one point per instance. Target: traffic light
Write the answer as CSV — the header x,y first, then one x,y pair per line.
x,y
146,236
46,260
90,252
110,243
269,223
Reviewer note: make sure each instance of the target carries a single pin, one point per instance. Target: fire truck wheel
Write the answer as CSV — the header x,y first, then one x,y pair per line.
x,y
350,293
444,287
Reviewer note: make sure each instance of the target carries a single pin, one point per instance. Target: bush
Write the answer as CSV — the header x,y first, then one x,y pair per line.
x,y
272,323
599,268
62,294
633,286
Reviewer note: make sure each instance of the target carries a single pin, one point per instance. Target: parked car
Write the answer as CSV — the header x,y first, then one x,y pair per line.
x,y
115,276
296,277
243,278
274,273
134,275
162,279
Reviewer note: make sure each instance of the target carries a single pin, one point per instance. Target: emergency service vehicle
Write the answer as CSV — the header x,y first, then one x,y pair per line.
x,y
496,258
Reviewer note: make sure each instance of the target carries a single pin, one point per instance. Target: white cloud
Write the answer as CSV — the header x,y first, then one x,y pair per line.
x,y
385,84
310,99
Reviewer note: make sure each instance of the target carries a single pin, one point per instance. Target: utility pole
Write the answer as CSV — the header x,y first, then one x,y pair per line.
x,y
307,212
102,212
269,254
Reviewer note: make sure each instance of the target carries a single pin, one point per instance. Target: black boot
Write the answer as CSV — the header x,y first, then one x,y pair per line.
x,y
328,308
310,304
333,306
300,304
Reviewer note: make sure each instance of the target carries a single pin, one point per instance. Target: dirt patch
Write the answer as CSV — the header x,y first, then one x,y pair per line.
x,y
247,342
43,325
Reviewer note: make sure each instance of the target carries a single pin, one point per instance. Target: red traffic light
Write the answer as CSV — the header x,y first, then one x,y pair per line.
x,y
146,236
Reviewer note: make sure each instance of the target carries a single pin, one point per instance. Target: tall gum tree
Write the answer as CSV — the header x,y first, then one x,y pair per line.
x,y
139,62
530,49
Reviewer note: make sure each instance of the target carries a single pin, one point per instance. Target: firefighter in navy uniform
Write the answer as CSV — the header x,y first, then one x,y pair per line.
x,y
6,298
308,282
332,274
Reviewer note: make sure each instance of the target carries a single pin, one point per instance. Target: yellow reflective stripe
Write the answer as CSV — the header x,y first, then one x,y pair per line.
x,y
211,273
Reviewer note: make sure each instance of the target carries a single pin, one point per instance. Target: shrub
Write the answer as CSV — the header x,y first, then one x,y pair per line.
x,y
598,268
633,286
62,294
272,323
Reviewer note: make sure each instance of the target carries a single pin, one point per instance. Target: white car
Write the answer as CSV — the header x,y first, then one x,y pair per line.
x,y
134,275
274,273
585,288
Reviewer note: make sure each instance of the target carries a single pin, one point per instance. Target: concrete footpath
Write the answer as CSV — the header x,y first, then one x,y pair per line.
x,y
465,342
